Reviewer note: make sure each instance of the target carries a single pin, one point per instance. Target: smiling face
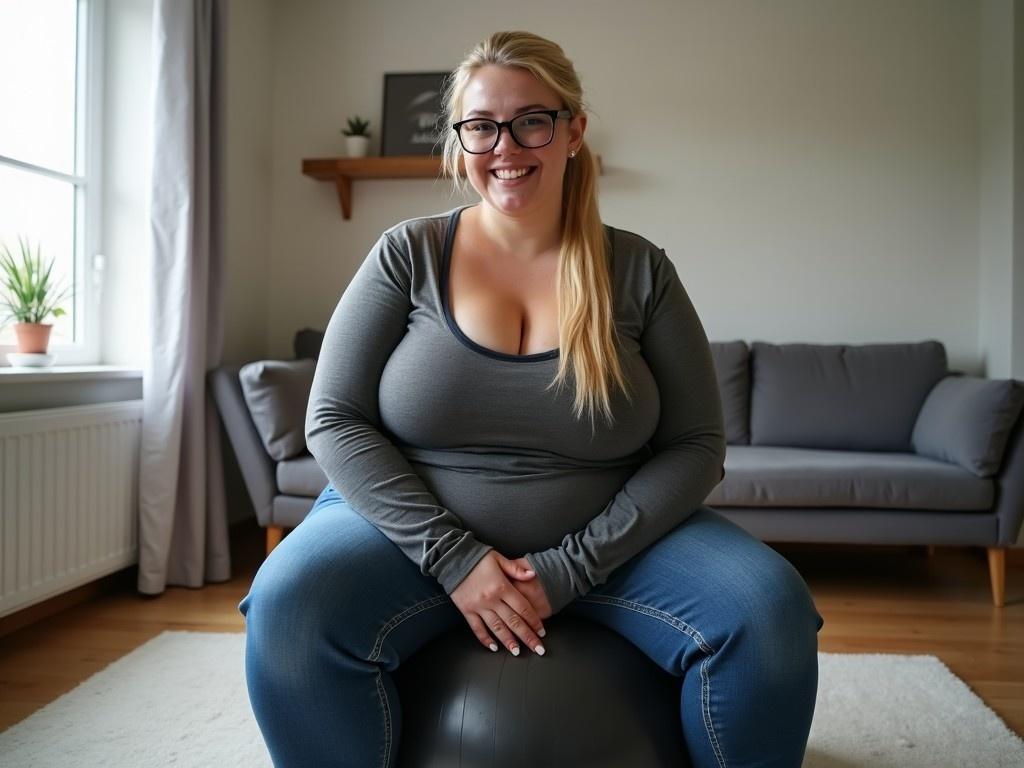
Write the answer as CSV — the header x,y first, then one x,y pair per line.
x,y
502,93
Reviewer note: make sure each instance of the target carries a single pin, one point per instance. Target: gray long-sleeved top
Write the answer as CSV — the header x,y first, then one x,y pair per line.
x,y
451,449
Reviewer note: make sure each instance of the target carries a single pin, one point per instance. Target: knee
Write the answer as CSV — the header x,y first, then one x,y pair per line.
x,y
282,595
775,602
285,626
298,590
773,632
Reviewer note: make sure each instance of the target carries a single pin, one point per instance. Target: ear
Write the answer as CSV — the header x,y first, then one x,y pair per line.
x,y
577,127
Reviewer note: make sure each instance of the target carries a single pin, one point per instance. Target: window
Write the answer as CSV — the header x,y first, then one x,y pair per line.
x,y
49,155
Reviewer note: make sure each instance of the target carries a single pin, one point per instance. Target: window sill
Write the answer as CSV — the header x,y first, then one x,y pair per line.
x,y
62,373
61,386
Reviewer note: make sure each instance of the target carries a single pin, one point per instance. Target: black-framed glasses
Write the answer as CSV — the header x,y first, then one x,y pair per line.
x,y
530,130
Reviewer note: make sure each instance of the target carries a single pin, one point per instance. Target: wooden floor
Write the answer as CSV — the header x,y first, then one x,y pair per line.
x,y
874,600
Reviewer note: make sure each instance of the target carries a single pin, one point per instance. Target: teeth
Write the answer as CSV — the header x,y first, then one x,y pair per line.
x,y
510,173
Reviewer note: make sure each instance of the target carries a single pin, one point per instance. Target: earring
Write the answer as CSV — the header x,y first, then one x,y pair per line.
x,y
572,153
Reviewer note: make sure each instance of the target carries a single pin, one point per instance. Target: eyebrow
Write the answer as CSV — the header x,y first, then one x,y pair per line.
x,y
527,108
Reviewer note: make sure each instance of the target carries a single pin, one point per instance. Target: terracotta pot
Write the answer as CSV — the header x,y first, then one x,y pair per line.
x,y
33,337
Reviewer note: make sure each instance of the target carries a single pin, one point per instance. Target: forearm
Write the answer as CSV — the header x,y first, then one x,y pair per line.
x,y
379,484
662,494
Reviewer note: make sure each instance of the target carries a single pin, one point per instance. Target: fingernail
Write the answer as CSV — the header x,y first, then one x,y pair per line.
x,y
515,650
530,573
542,632
494,647
540,650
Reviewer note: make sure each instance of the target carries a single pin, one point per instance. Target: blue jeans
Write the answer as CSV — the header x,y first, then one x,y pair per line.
x,y
337,606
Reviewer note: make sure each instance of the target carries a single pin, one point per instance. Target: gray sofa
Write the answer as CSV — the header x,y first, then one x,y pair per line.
x,y
871,444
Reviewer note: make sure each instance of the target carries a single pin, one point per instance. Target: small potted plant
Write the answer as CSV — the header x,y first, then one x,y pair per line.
x,y
357,137
29,298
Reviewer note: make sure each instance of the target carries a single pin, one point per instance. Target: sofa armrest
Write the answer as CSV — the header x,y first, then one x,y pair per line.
x,y
256,465
1009,506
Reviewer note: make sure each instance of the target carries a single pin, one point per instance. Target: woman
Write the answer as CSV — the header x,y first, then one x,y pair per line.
x,y
517,411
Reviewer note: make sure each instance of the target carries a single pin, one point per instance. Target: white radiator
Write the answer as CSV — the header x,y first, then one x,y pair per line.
x,y
69,487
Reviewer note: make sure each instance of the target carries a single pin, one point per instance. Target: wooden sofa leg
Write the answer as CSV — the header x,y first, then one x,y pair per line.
x,y
274,535
997,574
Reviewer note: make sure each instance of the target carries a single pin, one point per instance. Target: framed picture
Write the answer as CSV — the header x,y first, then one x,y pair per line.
x,y
412,113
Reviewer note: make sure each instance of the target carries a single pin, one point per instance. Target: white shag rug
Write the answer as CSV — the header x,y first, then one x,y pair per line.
x,y
180,700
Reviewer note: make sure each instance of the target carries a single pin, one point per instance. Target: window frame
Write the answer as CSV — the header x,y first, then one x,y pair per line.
x,y
88,191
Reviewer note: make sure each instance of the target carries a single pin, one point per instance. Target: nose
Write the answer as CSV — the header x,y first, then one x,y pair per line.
x,y
506,144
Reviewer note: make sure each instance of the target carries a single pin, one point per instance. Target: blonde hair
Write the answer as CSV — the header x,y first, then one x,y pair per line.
x,y
586,330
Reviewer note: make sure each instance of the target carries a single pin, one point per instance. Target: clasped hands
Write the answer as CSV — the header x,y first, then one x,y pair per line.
x,y
505,597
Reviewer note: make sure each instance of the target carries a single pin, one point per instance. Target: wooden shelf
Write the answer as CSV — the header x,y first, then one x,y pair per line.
x,y
342,170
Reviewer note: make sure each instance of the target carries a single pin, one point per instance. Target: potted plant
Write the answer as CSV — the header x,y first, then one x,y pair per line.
x,y
29,297
357,137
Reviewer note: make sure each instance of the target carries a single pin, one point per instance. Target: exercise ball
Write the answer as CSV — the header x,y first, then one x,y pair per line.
x,y
593,699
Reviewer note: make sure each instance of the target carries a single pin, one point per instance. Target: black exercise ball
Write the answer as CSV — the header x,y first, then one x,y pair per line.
x,y
593,699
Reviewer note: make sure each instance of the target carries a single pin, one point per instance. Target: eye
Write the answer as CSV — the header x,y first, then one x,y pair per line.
x,y
479,127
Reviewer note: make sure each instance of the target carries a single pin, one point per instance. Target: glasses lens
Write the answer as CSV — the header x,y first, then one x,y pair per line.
x,y
478,135
533,130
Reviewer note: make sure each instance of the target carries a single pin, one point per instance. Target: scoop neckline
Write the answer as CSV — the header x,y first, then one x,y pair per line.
x,y
551,354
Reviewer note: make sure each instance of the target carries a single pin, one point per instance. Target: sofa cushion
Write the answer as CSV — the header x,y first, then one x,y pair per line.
x,y
765,476
277,392
847,397
967,420
732,367
300,476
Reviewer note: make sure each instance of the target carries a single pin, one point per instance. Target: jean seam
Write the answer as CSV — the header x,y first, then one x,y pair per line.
x,y
709,726
388,627
395,621
694,635
656,613
387,718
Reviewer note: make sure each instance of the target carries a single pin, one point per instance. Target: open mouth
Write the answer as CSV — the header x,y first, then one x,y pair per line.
x,y
512,174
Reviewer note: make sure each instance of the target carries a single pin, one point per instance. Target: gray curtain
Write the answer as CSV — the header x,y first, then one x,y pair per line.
x,y
183,532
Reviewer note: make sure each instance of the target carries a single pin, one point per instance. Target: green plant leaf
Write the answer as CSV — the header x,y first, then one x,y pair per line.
x,y
28,292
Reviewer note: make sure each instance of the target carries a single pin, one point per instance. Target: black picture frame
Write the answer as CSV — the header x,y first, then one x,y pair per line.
x,y
411,122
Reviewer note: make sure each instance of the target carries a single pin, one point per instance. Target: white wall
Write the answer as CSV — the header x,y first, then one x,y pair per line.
x,y
245,74
1001,243
1017,45
812,167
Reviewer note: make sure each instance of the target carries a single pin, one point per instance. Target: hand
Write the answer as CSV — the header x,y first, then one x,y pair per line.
x,y
488,600
533,591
